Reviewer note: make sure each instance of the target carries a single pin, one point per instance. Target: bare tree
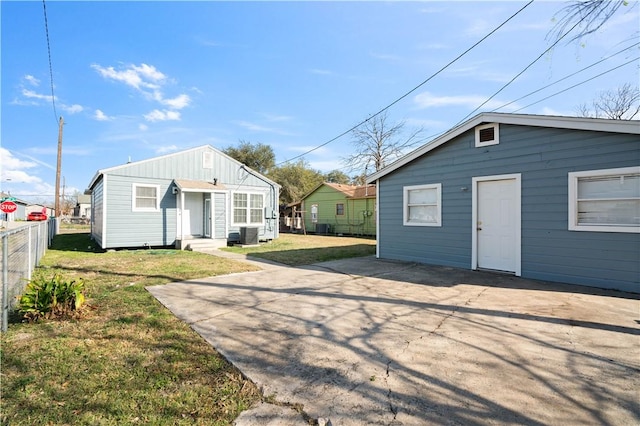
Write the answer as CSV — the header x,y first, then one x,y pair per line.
x,y
377,143
620,104
585,15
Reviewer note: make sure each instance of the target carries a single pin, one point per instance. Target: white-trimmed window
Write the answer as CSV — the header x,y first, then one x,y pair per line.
x,y
605,200
423,205
248,208
487,134
145,198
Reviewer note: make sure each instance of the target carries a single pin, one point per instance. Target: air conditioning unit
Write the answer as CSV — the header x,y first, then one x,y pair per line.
x,y
248,236
322,228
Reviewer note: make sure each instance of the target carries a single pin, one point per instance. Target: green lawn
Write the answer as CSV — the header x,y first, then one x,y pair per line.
x,y
129,360
297,249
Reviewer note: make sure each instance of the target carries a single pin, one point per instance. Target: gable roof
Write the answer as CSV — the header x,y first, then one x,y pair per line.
x,y
349,191
559,122
101,172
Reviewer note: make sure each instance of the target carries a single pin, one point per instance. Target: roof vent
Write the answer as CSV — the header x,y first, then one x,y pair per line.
x,y
487,134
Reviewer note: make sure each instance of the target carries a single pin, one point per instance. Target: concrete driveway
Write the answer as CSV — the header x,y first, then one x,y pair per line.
x,y
371,342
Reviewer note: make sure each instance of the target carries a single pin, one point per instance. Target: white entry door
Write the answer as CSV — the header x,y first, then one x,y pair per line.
x,y
497,223
192,217
207,217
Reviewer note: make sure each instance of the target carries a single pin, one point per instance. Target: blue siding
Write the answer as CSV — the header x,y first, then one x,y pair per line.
x,y
124,227
543,157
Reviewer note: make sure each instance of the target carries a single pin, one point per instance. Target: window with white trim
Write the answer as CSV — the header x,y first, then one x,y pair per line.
x,y
487,134
145,198
248,208
605,200
422,205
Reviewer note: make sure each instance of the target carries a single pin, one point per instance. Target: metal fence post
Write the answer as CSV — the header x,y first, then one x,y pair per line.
x,y
5,282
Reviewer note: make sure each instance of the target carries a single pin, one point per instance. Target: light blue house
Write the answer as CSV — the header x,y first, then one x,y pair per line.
x,y
542,197
200,196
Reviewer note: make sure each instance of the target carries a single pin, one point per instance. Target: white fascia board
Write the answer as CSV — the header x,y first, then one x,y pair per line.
x,y
575,123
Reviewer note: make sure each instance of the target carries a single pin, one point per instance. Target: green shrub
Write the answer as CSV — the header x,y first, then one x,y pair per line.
x,y
51,298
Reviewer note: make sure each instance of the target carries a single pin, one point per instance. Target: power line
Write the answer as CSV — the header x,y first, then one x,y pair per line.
x,y
578,84
521,72
410,91
566,77
46,29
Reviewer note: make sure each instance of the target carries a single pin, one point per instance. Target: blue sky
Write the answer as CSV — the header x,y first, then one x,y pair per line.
x,y
137,80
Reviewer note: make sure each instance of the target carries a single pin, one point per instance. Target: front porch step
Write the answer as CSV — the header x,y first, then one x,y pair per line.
x,y
201,244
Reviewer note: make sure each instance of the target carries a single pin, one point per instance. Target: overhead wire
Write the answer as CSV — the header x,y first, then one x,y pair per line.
x,y
567,77
578,84
521,72
46,30
410,91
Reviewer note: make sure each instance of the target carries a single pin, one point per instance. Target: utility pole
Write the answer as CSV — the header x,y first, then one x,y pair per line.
x,y
57,202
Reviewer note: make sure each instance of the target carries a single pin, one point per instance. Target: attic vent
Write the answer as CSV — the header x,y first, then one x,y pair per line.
x,y
207,160
487,135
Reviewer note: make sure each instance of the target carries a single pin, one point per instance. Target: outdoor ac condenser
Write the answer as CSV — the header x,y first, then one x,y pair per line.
x,y
248,235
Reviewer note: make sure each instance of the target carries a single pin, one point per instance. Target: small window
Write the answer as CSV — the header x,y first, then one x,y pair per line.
x,y
145,198
487,134
314,213
248,209
605,200
423,205
207,160
340,209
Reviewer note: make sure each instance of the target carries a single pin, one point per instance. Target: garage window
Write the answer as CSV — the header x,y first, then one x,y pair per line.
x,y
423,205
145,198
605,200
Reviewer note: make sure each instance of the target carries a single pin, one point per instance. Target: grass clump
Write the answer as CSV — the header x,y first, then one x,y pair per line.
x,y
297,249
128,360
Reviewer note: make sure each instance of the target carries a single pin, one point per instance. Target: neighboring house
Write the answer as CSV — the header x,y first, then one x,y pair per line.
x,y
542,197
340,209
83,206
196,196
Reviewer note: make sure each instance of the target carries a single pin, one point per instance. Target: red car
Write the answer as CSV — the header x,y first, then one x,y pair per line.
x,y
37,216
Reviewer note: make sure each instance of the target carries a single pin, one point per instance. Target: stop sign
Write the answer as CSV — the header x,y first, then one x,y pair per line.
x,y
8,207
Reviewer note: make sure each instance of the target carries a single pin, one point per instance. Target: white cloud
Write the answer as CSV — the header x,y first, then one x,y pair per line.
x,y
178,102
32,80
427,100
320,71
101,116
254,127
72,109
143,127
33,95
15,170
166,149
136,76
165,115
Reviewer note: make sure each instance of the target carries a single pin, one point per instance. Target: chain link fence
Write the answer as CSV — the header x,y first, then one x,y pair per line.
x,y
22,250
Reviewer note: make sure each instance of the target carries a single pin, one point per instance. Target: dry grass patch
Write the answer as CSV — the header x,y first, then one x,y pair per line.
x,y
129,360
297,249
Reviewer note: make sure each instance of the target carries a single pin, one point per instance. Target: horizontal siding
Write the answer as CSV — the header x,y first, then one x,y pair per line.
x,y
126,228
543,157
354,221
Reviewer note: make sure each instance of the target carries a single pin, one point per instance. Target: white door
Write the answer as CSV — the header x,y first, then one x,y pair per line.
x,y
192,215
207,217
497,223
